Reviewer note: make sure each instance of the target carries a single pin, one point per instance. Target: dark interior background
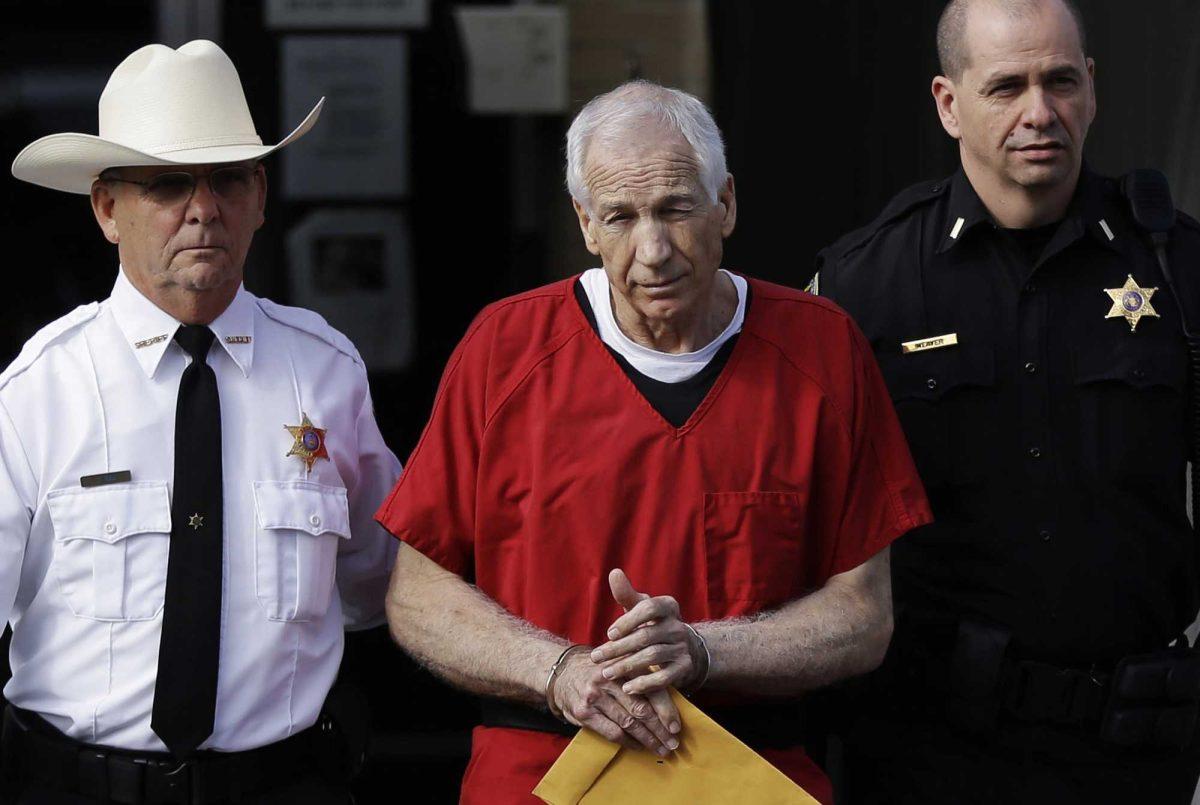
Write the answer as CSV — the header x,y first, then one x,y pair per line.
x,y
825,107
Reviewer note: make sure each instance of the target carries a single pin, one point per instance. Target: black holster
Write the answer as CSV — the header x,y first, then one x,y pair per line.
x,y
344,731
1154,700
977,673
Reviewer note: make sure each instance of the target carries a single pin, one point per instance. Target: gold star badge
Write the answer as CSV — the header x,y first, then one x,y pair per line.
x,y
1131,302
310,442
196,521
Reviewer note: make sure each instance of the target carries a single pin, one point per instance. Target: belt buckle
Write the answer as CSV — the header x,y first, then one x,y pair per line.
x,y
169,785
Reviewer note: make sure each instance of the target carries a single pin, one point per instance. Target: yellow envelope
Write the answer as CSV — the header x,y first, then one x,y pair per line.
x,y
710,766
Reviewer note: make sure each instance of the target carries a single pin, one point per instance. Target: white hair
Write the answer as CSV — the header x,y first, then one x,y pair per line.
x,y
615,113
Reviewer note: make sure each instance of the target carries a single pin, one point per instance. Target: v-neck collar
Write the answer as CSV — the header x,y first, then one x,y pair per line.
x,y
578,300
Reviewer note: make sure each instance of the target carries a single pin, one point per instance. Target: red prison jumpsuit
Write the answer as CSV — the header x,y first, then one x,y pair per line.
x,y
542,468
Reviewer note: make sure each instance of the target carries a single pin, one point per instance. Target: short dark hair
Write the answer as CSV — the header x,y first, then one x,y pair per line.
x,y
952,30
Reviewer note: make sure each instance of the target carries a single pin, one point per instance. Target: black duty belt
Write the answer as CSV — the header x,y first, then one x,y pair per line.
x,y
1147,700
775,725
41,753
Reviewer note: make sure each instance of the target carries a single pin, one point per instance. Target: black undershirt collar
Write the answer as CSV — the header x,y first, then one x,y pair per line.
x,y
675,402
1033,241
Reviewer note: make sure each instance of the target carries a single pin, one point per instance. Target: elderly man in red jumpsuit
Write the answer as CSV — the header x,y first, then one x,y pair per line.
x,y
656,474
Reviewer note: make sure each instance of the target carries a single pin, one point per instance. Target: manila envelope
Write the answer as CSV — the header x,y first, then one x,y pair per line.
x,y
710,766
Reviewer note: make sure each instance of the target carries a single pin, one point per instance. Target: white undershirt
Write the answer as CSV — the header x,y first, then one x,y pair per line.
x,y
666,367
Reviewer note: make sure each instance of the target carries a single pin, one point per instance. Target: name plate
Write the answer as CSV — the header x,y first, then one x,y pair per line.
x,y
936,342
106,478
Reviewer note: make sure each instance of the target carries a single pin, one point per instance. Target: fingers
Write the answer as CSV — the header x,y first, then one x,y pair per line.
x,y
595,708
622,589
648,640
599,723
640,639
657,609
586,698
665,709
644,727
645,713
672,658
660,679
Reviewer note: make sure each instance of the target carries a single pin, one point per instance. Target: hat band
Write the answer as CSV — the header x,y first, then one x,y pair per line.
x,y
188,145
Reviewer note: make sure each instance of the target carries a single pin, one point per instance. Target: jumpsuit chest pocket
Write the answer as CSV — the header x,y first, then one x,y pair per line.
x,y
755,550
1132,415
110,549
946,402
298,526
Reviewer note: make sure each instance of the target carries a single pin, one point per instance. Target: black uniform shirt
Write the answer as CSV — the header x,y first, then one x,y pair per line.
x,y
1052,440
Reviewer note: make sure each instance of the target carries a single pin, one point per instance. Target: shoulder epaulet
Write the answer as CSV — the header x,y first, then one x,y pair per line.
x,y
901,205
310,322
46,336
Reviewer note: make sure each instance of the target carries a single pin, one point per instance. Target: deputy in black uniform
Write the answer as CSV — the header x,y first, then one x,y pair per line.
x,y
1036,355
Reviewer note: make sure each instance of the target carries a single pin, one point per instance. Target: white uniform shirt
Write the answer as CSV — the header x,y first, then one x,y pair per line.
x,y
83,570
666,367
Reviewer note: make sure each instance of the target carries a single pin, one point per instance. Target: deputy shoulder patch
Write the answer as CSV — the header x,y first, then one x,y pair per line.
x,y
46,336
310,322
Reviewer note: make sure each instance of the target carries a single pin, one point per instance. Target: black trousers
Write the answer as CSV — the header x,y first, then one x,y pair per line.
x,y
292,784
307,790
887,761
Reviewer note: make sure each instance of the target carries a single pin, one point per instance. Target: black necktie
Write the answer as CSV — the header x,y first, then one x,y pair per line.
x,y
185,691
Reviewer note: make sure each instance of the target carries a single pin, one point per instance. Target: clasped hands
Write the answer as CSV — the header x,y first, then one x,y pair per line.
x,y
619,689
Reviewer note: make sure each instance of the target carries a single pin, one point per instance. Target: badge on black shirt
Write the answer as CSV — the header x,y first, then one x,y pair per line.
x,y
1132,302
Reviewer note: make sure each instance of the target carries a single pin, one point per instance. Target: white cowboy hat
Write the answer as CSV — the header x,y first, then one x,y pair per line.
x,y
160,107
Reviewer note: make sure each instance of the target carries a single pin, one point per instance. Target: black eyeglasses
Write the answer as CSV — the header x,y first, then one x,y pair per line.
x,y
231,183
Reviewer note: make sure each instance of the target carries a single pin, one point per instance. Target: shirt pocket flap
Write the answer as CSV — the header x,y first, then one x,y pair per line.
x,y
302,506
1140,368
110,513
932,374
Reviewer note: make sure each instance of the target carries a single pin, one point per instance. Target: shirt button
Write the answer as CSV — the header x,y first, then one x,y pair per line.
x,y
110,528
1045,535
315,520
1031,367
1030,288
1035,452
931,383
1139,373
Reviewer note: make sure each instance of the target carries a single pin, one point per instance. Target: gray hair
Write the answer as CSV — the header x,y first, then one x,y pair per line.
x,y
613,114
952,30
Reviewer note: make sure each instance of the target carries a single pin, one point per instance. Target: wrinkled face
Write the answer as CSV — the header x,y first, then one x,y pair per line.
x,y
652,223
195,244
1024,103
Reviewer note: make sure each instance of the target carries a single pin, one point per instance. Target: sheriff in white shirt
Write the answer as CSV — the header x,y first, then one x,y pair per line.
x,y
107,419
